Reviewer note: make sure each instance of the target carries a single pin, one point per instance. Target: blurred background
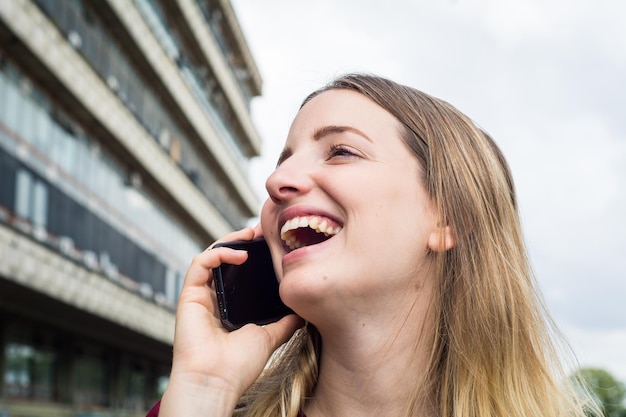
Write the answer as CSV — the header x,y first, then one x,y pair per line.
x,y
135,132
125,141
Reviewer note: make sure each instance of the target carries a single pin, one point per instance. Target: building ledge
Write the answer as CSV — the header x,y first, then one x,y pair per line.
x,y
95,98
35,267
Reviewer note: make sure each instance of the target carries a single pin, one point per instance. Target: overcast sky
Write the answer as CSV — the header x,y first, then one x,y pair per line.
x,y
547,79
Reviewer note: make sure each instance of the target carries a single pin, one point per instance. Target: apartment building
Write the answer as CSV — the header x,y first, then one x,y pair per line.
x,y
125,136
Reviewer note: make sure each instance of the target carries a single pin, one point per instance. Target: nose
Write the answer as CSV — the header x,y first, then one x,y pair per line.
x,y
289,180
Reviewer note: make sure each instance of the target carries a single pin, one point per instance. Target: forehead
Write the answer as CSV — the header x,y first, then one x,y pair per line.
x,y
343,108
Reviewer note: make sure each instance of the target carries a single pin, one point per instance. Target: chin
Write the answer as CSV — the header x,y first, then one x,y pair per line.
x,y
301,288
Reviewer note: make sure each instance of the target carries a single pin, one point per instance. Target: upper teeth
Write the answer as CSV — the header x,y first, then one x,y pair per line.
x,y
320,225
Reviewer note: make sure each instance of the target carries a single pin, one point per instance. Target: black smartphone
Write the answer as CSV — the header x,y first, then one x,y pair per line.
x,y
248,293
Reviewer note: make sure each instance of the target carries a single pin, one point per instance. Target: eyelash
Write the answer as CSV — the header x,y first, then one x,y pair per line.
x,y
341,151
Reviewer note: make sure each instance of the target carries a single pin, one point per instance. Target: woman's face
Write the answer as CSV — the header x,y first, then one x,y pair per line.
x,y
348,222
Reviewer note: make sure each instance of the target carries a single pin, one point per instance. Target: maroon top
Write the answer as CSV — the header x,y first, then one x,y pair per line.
x,y
154,411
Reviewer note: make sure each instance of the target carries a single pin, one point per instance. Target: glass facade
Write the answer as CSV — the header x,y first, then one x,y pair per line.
x,y
90,379
66,189
214,18
29,371
198,76
90,37
74,199
57,366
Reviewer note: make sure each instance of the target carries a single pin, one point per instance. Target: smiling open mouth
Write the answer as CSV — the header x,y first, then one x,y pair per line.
x,y
306,231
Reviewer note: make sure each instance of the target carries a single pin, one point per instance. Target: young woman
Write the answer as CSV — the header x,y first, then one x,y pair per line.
x,y
393,226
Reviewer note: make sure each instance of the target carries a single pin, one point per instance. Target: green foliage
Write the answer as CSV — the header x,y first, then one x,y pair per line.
x,y
608,391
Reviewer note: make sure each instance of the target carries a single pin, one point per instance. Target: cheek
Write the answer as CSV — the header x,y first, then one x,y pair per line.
x,y
396,202
266,218
398,221
270,232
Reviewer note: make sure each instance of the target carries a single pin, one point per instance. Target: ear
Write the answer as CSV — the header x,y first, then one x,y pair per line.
x,y
441,239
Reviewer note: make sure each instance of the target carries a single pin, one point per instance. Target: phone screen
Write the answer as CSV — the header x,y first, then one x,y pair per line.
x,y
248,293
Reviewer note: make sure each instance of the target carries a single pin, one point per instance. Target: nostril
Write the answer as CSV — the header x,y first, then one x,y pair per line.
x,y
275,199
288,190
282,194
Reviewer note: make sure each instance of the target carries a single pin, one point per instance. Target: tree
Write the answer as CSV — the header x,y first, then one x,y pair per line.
x,y
608,391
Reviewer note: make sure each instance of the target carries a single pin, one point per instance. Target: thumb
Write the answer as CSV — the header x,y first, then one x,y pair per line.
x,y
282,330
258,231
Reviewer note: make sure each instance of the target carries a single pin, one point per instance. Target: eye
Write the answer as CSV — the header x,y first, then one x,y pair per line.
x,y
341,151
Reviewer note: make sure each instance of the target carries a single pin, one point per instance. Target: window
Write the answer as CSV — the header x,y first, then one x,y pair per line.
x,y
8,168
43,370
90,380
43,128
40,204
27,128
17,375
162,379
171,286
31,198
67,150
23,188
83,164
3,95
136,383
29,372
13,102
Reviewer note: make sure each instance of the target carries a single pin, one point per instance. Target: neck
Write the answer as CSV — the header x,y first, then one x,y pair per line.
x,y
373,368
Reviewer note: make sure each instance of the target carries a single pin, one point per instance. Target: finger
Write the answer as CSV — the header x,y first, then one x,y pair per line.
x,y
243,234
258,232
200,271
282,330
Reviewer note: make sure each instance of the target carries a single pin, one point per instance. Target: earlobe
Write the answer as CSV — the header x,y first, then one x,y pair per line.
x,y
441,239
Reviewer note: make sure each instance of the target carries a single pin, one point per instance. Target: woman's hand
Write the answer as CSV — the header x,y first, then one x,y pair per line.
x,y
211,366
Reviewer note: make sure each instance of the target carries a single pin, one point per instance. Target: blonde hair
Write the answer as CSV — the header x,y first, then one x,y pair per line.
x,y
493,351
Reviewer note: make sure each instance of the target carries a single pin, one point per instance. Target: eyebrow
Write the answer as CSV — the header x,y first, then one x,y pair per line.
x,y
320,134
333,129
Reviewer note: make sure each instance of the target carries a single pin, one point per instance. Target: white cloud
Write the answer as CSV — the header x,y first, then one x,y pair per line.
x,y
600,349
